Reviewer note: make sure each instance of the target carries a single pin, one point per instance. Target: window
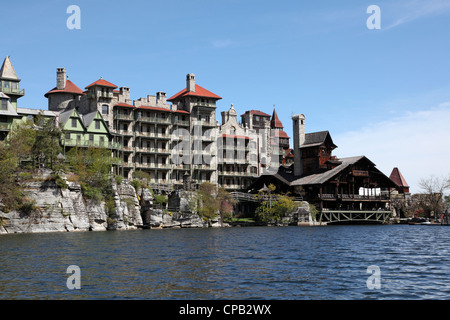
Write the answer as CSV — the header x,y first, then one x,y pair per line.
x,y
78,137
91,137
105,109
6,84
67,136
199,117
102,140
207,118
74,122
97,124
4,104
125,127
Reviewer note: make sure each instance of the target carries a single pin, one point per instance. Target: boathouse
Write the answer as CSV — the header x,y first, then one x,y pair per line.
x,y
343,190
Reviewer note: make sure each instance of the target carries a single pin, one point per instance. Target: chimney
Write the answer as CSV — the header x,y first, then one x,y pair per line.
x,y
61,78
125,92
190,82
299,140
161,98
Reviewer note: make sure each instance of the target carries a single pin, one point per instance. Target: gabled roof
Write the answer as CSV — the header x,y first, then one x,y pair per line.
x,y
397,177
320,178
102,83
10,109
257,113
275,122
199,92
316,139
7,71
70,88
88,118
65,115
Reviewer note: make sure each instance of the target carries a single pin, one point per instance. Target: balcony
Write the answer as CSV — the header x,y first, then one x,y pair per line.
x,y
162,166
126,117
154,135
352,197
12,91
126,133
153,150
155,120
181,166
180,123
87,144
204,167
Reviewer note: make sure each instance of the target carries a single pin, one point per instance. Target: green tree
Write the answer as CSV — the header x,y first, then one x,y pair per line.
x,y
47,142
10,192
210,201
225,204
273,207
93,166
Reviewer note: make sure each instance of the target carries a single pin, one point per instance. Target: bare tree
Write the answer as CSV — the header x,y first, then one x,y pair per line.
x,y
434,189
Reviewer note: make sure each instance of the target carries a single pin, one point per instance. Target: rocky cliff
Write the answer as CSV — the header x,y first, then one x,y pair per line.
x,y
58,209
65,209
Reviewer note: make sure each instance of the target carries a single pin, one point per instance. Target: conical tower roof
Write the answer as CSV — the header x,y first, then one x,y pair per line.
x,y
397,177
275,122
7,71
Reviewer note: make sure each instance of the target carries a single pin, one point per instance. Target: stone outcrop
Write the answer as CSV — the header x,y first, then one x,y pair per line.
x,y
65,209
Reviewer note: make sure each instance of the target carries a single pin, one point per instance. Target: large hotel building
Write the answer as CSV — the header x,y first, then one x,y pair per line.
x,y
167,138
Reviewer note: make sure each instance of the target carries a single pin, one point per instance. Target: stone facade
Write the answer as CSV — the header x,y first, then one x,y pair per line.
x,y
170,137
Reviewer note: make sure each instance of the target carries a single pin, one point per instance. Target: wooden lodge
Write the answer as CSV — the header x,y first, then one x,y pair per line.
x,y
343,190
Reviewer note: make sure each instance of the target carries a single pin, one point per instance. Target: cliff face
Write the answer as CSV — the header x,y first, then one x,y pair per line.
x,y
59,209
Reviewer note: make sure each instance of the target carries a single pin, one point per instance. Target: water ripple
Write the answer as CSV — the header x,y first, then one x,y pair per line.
x,y
233,263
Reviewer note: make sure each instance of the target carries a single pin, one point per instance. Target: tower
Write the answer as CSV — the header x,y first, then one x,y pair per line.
x,y
299,139
9,82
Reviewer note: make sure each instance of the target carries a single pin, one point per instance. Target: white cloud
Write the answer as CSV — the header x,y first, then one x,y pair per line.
x,y
418,143
398,13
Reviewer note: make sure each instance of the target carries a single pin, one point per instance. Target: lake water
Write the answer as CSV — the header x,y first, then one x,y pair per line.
x,y
285,263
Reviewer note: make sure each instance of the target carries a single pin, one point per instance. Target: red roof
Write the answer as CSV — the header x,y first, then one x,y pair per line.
x,y
181,111
70,88
199,92
124,105
397,177
235,137
281,134
154,108
103,83
275,122
257,112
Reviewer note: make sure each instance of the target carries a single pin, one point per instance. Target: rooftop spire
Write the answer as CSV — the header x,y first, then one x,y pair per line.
x,y
275,122
7,71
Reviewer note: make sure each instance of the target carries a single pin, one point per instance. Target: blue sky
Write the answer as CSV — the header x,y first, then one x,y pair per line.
x,y
381,93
